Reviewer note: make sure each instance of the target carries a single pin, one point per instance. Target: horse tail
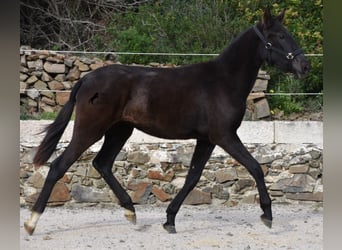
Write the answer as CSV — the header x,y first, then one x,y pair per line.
x,y
55,130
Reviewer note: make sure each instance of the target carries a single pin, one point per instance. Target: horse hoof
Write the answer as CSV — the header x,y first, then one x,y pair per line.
x,y
131,217
29,229
170,229
266,221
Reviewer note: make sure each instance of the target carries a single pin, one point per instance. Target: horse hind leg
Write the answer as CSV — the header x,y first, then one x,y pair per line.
x,y
201,155
114,140
56,171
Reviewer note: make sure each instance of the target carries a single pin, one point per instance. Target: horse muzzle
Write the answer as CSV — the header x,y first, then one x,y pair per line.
x,y
301,66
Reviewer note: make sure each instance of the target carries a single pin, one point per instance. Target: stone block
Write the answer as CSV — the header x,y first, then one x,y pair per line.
x,y
318,196
160,194
141,192
138,157
88,194
55,68
262,108
299,169
197,197
224,175
62,97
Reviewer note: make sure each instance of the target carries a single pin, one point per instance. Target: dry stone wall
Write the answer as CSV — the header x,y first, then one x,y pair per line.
x,y
153,173
46,80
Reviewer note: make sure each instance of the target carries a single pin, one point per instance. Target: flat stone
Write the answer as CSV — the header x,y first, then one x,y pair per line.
x,y
318,196
88,194
138,157
40,85
244,183
141,192
45,77
62,97
299,169
69,61
160,194
31,80
74,74
36,180
23,77
300,183
155,175
36,65
55,85
55,68
197,197
60,193
224,175
262,108
260,85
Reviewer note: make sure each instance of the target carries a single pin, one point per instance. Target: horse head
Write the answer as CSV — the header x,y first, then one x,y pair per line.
x,y
279,47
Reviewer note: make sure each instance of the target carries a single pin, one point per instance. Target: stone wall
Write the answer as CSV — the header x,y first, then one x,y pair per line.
x,y
46,80
153,171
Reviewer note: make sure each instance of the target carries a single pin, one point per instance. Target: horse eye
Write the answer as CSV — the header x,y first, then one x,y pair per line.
x,y
281,36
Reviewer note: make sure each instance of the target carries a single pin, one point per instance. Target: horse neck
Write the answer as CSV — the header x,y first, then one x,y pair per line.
x,y
241,62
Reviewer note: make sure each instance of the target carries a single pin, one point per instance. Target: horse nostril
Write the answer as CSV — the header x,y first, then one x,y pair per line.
x,y
306,67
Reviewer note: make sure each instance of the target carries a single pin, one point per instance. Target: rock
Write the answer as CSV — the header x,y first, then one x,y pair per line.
x,y
219,192
158,175
262,108
54,68
197,197
244,183
60,193
160,194
62,97
69,61
60,77
224,175
299,169
36,65
23,77
36,180
31,80
155,175
48,101
40,85
23,87
93,173
260,85
55,85
45,77
74,74
138,157
318,196
300,159
158,156
82,67
300,183
96,65
141,192
87,194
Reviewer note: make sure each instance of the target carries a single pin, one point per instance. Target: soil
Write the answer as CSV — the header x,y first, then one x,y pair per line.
x,y
297,226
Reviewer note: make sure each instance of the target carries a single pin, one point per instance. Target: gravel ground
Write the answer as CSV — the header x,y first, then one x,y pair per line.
x,y
198,227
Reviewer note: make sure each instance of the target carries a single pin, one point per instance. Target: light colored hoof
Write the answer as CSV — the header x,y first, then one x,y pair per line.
x,y
130,216
29,229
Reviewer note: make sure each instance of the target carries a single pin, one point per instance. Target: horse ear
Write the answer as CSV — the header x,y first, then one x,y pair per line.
x,y
267,17
281,16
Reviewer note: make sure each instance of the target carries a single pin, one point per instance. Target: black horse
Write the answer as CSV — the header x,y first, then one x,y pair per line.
x,y
205,101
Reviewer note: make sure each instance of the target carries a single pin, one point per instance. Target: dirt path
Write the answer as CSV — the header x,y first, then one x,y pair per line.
x,y
198,227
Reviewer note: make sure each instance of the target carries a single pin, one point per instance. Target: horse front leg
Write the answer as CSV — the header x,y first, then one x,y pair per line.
x,y
201,155
232,145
